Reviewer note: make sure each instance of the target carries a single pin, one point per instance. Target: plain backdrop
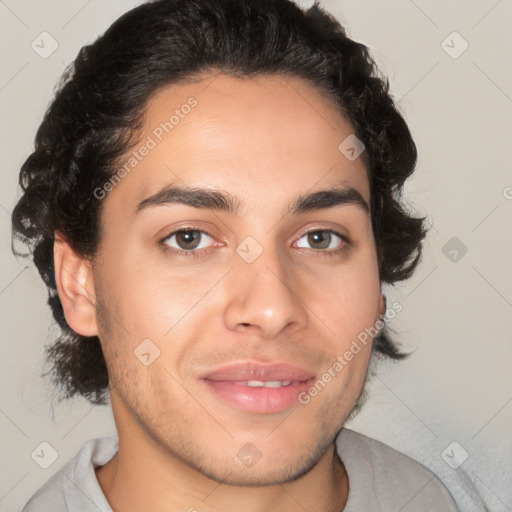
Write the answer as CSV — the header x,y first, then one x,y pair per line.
x,y
449,405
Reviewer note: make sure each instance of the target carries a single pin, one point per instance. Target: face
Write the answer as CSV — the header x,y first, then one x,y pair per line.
x,y
195,301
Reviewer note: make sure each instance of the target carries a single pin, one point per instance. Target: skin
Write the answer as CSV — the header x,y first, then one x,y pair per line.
x,y
266,140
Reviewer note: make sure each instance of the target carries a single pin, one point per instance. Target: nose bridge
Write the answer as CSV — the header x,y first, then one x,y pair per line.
x,y
263,295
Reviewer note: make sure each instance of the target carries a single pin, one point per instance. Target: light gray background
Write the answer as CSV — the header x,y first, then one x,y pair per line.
x,y
456,387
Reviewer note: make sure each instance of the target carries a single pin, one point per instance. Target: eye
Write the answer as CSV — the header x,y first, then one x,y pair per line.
x,y
194,242
322,239
186,241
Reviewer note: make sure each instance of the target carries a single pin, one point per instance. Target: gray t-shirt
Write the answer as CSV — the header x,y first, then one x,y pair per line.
x,y
380,479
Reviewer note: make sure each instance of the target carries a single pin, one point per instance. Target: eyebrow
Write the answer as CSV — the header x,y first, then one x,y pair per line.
x,y
217,200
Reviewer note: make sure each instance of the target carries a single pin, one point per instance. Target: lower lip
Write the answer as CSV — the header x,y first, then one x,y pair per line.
x,y
258,399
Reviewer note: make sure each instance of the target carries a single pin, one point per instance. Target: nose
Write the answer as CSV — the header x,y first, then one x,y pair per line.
x,y
265,298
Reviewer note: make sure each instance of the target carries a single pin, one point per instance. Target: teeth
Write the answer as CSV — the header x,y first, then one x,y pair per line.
x,y
267,384
255,383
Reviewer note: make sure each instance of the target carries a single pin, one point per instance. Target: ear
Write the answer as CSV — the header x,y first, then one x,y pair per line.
x,y
382,307
75,286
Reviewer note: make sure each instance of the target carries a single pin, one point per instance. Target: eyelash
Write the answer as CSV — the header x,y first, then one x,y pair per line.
x,y
344,248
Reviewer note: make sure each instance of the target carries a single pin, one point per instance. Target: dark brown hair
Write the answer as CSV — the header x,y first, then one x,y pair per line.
x,y
100,101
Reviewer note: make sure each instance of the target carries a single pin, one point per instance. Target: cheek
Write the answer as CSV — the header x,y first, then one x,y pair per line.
x,y
347,301
143,295
149,295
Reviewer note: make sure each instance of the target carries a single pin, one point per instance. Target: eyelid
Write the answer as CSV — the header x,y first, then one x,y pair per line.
x,y
188,226
336,231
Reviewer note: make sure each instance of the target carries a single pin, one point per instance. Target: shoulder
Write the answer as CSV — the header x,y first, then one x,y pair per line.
x,y
74,486
50,496
384,478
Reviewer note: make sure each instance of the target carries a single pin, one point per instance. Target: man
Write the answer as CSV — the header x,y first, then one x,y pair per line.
x,y
212,205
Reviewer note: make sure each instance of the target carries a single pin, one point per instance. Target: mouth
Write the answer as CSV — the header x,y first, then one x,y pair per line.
x,y
263,388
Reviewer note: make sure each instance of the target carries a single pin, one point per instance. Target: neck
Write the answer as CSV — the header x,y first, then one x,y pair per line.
x,y
142,476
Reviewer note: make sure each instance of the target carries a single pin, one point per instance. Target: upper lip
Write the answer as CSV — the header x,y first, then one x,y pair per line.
x,y
250,370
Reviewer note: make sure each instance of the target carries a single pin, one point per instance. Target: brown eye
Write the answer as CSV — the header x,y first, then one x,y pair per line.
x,y
326,241
321,239
186,240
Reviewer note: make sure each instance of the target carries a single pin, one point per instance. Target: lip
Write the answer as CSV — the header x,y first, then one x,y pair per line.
x,y
252,370
224,384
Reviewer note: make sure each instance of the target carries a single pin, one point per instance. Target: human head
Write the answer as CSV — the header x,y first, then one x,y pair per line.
x,y
96,114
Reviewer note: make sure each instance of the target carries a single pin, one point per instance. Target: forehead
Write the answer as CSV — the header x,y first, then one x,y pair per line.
x,y
263,137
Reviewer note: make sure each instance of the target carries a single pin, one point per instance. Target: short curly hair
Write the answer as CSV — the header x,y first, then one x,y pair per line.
x,y
99,105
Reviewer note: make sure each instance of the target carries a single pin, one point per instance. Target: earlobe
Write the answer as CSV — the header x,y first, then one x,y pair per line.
x,y
75,286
